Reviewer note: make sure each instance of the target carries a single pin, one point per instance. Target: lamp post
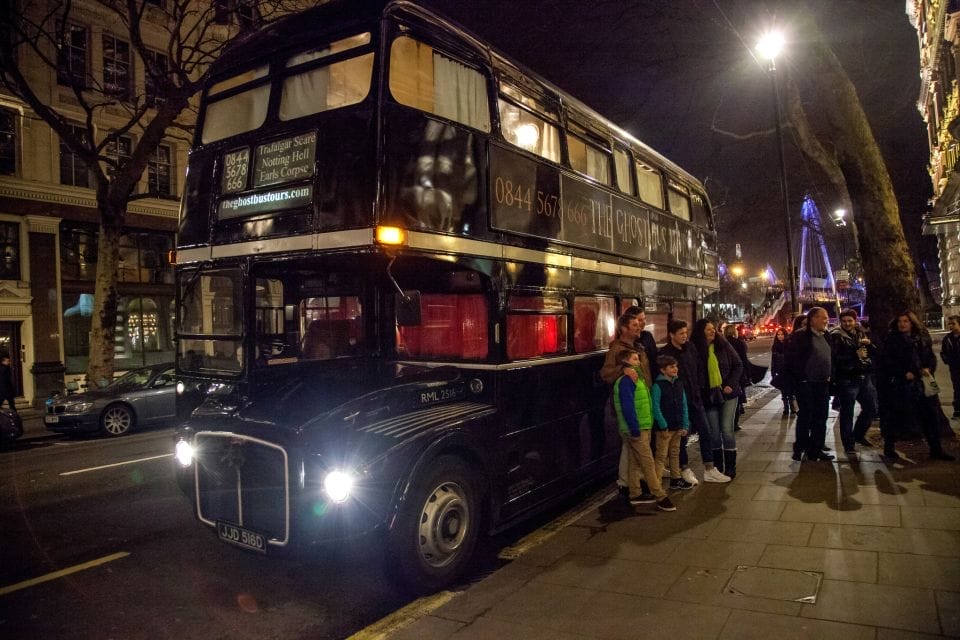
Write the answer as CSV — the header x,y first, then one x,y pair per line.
x,y
769,48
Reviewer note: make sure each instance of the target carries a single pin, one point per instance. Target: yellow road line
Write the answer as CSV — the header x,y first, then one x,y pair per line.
x,y
116,464
63,572
404,616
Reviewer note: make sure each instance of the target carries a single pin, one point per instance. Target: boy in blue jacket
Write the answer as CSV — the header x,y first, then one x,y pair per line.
x,y
671,419
632,404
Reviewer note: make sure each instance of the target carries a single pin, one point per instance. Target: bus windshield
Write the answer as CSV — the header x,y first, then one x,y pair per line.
x,y
211,320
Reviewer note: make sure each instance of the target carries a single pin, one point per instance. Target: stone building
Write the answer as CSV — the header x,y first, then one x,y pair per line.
x,y
938,29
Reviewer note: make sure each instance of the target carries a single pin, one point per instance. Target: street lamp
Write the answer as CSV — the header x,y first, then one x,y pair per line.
x,y
839,219
769,48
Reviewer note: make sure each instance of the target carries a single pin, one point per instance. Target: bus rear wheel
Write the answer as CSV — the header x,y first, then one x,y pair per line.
x,y
436,532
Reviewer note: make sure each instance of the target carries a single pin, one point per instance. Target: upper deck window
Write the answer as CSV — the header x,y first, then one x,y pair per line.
x,y
678,200
328,87
700,213
425,79
649,185
589,159
238,113
621,164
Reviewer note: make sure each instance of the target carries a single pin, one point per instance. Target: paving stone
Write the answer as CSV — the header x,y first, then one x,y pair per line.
x,y
793,533
835,564
718,554
948,604
931,517
612,574
896,540
754,625
481,596
485,628
751,509
849,512
911,570
869,494
933,498
428,628
708,587
900,634
875,604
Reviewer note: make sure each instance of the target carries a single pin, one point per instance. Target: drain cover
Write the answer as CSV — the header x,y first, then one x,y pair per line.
x,y
775,584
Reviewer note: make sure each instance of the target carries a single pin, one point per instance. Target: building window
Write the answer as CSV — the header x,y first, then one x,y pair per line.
x,y
8,142
119,150
116,67
72,57
78,253
143,258
159,170
9,251
73,171
161,64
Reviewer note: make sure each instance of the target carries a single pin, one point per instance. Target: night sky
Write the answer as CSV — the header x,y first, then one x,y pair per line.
x,y
680,75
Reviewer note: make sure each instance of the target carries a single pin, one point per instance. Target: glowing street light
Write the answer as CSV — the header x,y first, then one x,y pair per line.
x,y
769,47
839,217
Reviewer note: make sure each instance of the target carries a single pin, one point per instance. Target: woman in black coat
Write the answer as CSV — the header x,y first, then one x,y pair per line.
x,y
778,365
907,357
721,373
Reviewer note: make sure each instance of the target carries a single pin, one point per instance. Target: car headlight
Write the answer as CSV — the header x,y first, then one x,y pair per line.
x,y
77,407
337,485
184,453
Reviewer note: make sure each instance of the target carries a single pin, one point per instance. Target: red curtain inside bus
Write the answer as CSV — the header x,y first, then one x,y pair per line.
x,y
452,326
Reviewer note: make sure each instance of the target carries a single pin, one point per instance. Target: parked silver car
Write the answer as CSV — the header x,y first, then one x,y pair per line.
x,y
140,398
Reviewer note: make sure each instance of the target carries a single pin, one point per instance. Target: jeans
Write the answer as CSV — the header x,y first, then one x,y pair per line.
x,y
955,379
720,420
699,424
814,400
850,393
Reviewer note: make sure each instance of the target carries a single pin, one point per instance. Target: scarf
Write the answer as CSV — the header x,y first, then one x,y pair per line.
x,y
713,368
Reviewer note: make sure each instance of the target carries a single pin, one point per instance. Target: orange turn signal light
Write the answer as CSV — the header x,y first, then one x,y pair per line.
x,y
391,235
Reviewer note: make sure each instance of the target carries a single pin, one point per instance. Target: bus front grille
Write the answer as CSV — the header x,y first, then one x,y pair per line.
x,y
243,481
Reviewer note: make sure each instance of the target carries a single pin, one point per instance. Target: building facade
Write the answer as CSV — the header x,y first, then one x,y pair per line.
x,y
49,217
938,30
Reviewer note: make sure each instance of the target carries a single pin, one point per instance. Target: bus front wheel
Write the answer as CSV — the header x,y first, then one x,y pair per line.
x,y
435,534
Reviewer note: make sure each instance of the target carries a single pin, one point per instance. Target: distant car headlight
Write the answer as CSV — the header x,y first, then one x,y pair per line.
x,y
77,407
184,453
338,485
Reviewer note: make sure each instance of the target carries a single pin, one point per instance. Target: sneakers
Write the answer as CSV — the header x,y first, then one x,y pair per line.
x,y
693,439
683,485
690,476
665,504
715,475
643,498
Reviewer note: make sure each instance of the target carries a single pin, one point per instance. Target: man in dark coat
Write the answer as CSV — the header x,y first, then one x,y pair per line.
x,y
810,364
7,391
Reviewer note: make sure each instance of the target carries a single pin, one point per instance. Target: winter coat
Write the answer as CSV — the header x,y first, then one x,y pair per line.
x,y
691,371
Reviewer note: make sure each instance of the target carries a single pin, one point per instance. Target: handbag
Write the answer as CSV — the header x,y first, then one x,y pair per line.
x,y
930,386
716,396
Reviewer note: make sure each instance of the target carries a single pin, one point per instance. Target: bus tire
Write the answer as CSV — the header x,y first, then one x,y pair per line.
x,y
436,530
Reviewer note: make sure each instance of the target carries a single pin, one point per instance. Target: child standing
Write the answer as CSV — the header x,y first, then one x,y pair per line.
x,y
950,353
671,419
631,402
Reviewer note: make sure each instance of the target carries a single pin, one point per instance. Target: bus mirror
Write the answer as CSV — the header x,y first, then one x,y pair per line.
x,y
408,309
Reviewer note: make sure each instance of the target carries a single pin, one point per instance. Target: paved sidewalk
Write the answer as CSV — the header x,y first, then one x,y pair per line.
x,y
849,549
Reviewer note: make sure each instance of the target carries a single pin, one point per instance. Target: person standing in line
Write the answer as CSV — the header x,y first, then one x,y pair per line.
x,y
906,358
644,341
740,346
854,354
671,419
778,360
810,363
632,404
950,354
679,346
7,390
721,387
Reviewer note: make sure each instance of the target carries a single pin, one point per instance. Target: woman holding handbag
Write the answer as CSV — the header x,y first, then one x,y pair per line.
x,y
721,388
908,360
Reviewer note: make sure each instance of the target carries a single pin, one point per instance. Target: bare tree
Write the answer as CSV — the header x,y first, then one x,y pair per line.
x,y
174,43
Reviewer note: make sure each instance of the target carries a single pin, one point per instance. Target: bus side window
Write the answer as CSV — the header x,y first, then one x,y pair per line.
x,y
539,329
593,319
452,326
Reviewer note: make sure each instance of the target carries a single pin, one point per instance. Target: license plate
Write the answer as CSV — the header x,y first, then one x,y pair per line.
x,y
241,537
51,419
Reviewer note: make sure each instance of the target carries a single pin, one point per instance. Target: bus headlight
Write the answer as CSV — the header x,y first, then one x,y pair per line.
x,y
184,453
338,485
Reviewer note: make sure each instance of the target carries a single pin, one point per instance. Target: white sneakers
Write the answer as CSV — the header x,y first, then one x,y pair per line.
x,y
715,475
688,475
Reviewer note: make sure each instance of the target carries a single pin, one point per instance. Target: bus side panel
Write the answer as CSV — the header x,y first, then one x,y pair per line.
x,y
433,174
552,431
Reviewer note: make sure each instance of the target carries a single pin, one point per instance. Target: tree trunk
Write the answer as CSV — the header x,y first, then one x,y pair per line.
x,y
887,265
104,320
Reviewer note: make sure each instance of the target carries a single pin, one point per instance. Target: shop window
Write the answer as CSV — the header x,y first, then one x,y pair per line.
x,y
452,326
594,321
536,326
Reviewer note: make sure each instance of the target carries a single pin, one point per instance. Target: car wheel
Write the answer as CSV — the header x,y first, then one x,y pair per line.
x,y
117,420
436,531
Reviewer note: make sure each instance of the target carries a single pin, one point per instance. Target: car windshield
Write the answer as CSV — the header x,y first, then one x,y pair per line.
x,y
135,379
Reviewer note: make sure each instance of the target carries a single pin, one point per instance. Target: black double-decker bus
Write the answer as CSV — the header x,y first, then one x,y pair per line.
x,y
399,264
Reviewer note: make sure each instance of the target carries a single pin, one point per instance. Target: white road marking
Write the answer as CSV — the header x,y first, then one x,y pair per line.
x,y
63,572
116,464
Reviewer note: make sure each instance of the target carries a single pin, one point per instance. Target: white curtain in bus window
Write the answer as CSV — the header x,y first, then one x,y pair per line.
x,y
530,335
427,80
588,159
679,204
525,130
452,326
330,87
237,114
594,322
649,185
621,164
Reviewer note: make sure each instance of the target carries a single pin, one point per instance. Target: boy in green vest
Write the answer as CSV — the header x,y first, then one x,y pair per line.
x,y
633,406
